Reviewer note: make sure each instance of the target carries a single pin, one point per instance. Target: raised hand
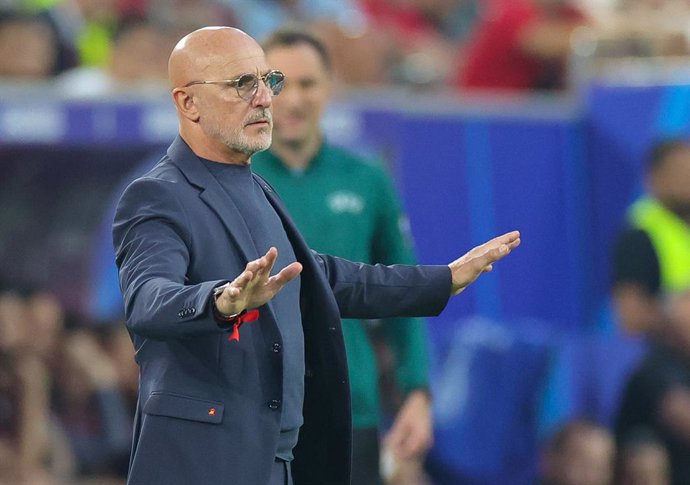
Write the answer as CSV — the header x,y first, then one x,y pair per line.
x,y
480,259
254,286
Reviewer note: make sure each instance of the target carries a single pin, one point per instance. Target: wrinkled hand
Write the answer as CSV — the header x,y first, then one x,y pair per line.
x,y
411,434
480,260
254,286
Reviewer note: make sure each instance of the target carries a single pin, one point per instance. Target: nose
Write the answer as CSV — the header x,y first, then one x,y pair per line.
x,y
262,97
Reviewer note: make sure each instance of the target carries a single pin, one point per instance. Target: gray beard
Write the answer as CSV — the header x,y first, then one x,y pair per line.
x,y
237,141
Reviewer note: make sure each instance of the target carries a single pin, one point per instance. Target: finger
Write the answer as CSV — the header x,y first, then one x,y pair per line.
x,y
241,281
515,243
508,237
261,262
267,262
495,254
484,262
232,290
284,276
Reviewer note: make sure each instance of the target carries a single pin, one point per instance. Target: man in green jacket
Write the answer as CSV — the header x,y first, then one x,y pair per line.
x,y
346,206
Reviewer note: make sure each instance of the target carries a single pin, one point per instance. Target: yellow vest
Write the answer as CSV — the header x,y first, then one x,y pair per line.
x,y
670,237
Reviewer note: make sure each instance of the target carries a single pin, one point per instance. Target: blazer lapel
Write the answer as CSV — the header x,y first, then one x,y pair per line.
x,y
214,196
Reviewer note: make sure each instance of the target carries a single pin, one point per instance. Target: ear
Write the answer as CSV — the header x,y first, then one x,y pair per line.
x,y
185,104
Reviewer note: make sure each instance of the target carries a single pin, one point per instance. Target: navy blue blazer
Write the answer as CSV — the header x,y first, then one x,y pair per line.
x,y
209,408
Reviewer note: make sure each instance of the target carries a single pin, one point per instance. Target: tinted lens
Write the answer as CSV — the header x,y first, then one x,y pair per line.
x,y
275,81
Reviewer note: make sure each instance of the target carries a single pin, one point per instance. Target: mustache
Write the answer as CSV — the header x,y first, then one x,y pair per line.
x,y
263,115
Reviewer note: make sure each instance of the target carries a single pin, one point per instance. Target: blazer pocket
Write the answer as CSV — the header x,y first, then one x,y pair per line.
x,y
184,407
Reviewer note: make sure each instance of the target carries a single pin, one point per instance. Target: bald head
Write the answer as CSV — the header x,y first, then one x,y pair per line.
x,y
216,121
209,53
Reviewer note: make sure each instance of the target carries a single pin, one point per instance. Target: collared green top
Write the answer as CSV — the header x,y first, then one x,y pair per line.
x,y
670,237
346,206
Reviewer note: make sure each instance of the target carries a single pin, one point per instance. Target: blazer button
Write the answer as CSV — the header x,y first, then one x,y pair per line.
x,y
274,403
180,314
192,310
276,347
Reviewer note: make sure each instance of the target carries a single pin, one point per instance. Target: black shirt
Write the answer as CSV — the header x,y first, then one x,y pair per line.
x,y
635,261
663,370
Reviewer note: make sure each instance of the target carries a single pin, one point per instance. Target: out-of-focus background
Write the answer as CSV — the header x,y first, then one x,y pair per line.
x,y
490,114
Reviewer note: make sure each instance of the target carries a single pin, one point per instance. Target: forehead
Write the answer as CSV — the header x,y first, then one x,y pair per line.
x,y
297,59
233,62
675,165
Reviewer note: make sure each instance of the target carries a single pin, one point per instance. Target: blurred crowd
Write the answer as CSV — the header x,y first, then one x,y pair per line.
x,y
95,47
67,394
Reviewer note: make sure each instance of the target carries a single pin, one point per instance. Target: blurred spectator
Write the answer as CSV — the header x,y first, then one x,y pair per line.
x,y
87,26
657,395
90,407
63,413
136,54
371,41
135,44
90,28
579,453
424,34
361,54
652,255
454,19
45,324
644,28
520,45
28,47
184,16
260,17
642,460
135,61
25,441
118,346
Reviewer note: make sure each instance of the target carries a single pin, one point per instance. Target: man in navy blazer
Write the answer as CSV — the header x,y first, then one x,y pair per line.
x,y
243,377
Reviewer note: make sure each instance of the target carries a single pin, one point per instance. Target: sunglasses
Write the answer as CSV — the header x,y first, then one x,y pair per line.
x,y
247,85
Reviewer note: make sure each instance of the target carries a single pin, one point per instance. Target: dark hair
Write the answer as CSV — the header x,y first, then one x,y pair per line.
x,y
632,442
638,437
663,148
64,56
289,37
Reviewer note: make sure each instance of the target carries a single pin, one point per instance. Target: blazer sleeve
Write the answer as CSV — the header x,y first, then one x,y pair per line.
x,y
152,247
380,291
